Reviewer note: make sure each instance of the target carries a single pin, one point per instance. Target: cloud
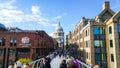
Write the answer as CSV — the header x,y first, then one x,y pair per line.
x,y
8,5
35,10
51,34
10,14
57,18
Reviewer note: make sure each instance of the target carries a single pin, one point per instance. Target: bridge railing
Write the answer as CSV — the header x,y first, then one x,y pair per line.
x,y
36,63
82,64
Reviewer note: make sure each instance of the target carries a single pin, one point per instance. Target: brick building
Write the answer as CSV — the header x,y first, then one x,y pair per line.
x,y
16,43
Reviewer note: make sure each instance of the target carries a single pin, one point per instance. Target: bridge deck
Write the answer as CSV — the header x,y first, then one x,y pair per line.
x,y
55,63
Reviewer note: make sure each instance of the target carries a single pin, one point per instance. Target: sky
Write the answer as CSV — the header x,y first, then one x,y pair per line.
x,y
46,14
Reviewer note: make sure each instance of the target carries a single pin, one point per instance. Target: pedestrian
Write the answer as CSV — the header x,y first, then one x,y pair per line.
x,y
25,65
72,65
17,64
69,61
76,63
63,64
48,59
41,64
46,64
96,65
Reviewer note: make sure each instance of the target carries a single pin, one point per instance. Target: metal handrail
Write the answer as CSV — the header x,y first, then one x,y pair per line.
x,y
83,64
39,60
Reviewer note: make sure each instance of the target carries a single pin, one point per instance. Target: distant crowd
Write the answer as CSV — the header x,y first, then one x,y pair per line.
x,y
68,62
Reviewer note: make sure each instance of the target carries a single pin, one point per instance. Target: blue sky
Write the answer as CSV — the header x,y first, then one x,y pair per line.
x,y
45,14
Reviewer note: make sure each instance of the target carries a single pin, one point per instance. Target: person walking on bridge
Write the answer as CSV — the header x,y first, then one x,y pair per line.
x,y
45,63
63,64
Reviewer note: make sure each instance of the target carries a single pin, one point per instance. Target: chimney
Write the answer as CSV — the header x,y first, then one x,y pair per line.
x,y
106,5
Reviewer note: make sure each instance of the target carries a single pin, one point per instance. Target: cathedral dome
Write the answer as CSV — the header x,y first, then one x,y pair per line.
x,y
59,28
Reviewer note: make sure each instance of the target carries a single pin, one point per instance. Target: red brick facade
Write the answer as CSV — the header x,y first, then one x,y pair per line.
x,y
30,44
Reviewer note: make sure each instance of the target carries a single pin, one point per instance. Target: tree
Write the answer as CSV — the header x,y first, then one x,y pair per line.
x,y
24,60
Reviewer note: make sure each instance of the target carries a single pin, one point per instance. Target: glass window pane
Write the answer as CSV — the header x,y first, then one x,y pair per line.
x,y
96,43
1,63
103,57
24,51
112,57
110,30
2,41
102,43
97,57
11,62
118,27
101,31
1,52
102,37
96,37
96,30
103,50
111,43
12,52
97,50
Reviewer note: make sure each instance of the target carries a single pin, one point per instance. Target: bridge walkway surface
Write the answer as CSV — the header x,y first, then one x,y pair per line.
x,y
55,63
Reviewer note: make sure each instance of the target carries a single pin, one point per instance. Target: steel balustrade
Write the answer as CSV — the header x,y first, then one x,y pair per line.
x,y
36,63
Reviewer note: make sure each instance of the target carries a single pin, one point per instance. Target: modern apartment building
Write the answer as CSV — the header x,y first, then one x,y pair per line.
x,y
16,43
98,38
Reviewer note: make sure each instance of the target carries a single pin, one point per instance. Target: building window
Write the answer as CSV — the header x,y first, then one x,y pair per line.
x,y
86,43
96,30
23,51
110,30
99,30
102,43
11,62
1,51
112,57
1,63
111,43
119,28
86,33
97,50
98,57
85,23
119,35
97,43
102,30
2,41
13,41
87,56
12,52
103,56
